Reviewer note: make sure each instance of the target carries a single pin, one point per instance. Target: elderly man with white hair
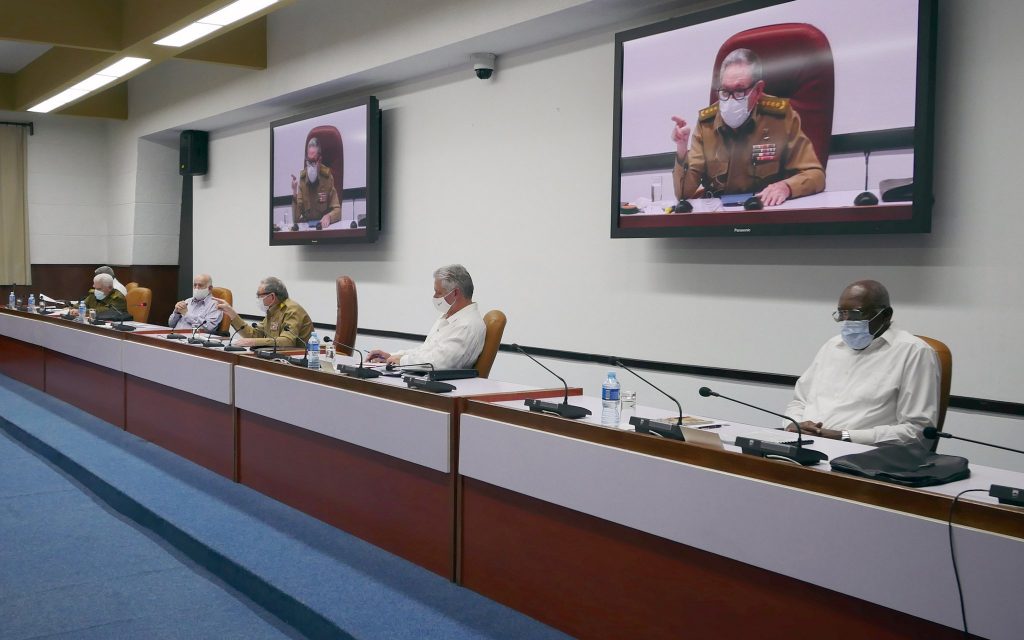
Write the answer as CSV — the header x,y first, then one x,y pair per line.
x,y
117,283
200,310
457,337
104,298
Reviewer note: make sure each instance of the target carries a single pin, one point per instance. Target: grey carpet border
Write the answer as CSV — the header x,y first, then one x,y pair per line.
x,y
288,609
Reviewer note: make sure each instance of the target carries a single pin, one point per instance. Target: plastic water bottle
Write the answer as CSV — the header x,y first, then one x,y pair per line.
x,y
610,407
31,303
313,352
81,311
11,300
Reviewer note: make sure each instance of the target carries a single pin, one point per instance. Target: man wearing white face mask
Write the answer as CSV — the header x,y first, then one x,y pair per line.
x,y
285,323
873,383
199,310
457,337
104,298
747,142
314,193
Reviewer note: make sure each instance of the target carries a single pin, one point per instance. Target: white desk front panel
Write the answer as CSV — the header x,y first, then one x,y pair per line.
x,y
96,348
415,434
194,374
891,558
24,329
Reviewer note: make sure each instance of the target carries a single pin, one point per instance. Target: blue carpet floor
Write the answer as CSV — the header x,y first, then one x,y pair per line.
x,y
314,578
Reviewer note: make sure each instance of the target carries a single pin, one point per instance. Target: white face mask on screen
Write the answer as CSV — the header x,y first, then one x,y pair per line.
x,y
734,112
312,171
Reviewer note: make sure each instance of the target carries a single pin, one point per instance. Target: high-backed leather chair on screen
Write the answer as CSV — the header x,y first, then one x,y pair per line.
x,y
224,294
494,321
348,315
140,301
946,366
798,65
332,152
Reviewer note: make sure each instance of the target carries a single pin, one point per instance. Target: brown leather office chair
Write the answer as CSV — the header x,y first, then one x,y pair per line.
x,y
140,301
130,286
494,321
946,367
224,294
348,315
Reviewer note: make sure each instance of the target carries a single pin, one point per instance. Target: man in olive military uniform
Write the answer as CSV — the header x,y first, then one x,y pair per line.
x,y
747,142
285,321
104,298
314,196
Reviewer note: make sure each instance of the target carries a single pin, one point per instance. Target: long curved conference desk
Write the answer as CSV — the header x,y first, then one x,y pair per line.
x,y
601,532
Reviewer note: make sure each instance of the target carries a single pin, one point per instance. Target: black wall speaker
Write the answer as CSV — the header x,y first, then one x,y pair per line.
x,y
193,155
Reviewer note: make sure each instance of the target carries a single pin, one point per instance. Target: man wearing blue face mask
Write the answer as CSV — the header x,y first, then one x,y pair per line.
x,y
746,142
104,298
457,337
871,384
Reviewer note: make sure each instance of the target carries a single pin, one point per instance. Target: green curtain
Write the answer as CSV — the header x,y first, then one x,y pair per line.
x,y
14,259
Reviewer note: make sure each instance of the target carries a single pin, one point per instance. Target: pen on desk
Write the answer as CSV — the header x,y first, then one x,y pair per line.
x,y
710,426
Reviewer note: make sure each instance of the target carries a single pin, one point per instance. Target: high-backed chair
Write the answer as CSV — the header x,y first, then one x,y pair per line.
x,y
494,321
797,62
224,294
332,152
140,301
130,286
946,368
348,315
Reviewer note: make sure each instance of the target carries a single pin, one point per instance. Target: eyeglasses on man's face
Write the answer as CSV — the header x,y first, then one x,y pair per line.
x,y
736,94
840,315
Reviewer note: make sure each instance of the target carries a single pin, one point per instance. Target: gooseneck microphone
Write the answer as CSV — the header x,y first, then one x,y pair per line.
x,y
564,409
174,336
753,446
355,372
1006,495
646,425
192,339
299,361
210,342
230,346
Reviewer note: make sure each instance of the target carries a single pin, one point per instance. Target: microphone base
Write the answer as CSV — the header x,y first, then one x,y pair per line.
x,y
234,348
791,452
562,409
298,362
263,352
646,425
359,372
1007,495
174,336
428,385
195,341
122,327
212,343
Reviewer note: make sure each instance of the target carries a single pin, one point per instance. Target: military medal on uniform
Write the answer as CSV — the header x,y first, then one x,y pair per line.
x,y
322,197
763,152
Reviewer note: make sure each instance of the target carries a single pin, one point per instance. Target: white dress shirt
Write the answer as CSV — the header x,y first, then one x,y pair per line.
x,y
887,392
453,343
120,287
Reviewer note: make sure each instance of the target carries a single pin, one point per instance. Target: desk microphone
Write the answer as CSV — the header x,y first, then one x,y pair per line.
x,y
261,351
231,347
174,336
564,409
121,326
355,372
1006,495
865,198
210,342
427,384
298,361
753,446
646,425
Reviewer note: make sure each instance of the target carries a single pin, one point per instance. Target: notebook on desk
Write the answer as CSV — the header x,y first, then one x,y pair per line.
x,y
443,374
702,437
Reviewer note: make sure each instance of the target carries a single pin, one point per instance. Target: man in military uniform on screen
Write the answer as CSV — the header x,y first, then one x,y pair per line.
x,y
747,142
314,197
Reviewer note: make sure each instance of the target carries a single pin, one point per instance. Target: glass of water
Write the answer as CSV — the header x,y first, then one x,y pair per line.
x,y
628,400
656,189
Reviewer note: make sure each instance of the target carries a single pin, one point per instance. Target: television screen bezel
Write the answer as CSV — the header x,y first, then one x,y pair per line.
x,y
923,138
373,173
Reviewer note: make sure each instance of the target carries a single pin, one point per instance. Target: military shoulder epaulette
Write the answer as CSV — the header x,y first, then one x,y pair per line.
x,y
773,106
708,113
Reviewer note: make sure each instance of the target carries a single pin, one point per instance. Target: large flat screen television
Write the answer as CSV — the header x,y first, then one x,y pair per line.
x,y
770,118
325,175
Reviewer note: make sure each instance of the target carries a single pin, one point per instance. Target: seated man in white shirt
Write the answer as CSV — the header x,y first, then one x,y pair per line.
x,y
871,384
117,283
198,311
456,339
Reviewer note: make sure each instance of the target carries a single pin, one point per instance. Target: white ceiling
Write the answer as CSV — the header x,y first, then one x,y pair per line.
x,y
15,55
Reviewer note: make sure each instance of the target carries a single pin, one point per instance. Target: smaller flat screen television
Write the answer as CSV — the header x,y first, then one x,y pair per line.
x,y
776,117
325,175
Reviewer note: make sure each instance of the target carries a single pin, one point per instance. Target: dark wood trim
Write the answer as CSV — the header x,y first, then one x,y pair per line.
x,y
23,361
90,387
987,517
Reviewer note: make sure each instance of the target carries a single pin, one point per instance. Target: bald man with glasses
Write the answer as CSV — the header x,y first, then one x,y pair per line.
x,y
873,383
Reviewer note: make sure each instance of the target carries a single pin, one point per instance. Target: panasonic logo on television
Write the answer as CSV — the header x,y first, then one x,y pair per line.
x,y
735,230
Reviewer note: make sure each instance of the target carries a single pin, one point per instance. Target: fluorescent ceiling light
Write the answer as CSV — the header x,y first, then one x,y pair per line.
x,y
123,66
94,82
189,34
58,100
236,11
